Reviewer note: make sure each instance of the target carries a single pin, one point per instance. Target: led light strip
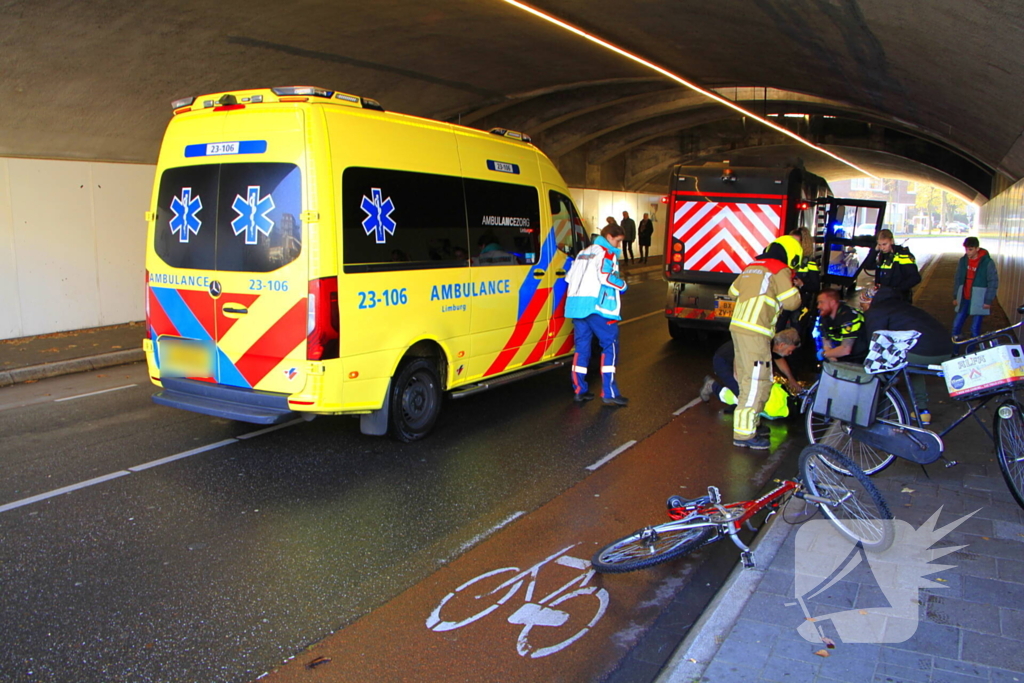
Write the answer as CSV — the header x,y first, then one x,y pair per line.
x,y
682,81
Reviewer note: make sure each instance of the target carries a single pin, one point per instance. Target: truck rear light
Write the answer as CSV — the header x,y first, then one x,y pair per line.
x,y
676,267
677,258
677,247
323,329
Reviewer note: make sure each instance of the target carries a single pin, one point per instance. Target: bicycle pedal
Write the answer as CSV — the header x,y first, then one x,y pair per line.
x,y
748,560
951,463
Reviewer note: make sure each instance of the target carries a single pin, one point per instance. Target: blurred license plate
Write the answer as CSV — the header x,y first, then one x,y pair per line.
x,y
186,358
723,308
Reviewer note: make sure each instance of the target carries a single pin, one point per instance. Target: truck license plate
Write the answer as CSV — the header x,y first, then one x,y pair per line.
x,y
723,308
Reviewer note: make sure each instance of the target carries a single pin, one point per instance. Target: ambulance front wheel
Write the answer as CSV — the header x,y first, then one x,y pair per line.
x,y
415,400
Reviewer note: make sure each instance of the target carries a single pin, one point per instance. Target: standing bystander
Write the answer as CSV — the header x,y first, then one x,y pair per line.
x,y
974,287
629,231
644,231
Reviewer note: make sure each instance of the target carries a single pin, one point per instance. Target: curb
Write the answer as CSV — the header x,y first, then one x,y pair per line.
x,y
73,365
697,651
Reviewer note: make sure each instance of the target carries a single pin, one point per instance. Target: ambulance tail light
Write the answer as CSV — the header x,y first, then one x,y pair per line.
x,y
323,329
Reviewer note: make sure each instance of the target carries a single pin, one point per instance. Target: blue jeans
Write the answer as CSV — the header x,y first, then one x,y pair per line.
x,y
961,318
607,333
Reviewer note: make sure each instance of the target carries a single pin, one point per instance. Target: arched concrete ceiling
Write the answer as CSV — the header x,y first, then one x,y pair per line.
x,y
922,88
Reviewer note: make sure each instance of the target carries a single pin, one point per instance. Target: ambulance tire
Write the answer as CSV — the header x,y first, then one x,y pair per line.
x,y
415,400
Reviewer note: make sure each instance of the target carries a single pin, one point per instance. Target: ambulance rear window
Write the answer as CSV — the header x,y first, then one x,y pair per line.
x,y
230,217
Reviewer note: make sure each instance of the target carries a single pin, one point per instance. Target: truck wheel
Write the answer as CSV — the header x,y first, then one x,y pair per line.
x,y
677,331
415,400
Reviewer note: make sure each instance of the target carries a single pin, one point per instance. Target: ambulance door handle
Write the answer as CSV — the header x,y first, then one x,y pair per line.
x,y
235,311
538,274
560,273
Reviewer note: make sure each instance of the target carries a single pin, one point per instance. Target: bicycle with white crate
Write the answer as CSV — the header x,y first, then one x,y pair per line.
x,y
863,413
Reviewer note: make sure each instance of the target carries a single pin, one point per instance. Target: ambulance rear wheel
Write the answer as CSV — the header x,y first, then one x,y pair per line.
x,y
415,400
677,331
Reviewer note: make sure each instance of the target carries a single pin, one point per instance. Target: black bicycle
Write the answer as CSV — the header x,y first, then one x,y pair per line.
x,y
896,429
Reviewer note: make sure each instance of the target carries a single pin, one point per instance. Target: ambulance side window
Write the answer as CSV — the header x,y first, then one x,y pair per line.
x,y
504,223
401,220
570,233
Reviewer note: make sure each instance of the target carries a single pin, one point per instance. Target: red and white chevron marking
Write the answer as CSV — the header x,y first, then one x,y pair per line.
x,y
724,237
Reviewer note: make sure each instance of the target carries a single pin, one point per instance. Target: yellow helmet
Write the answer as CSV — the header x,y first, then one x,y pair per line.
x,y
794,251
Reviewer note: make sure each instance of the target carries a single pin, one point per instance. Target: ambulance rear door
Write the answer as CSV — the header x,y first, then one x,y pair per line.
x,y
245,246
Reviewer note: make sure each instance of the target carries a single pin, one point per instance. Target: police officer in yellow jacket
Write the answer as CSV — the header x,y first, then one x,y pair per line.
x,y
762,290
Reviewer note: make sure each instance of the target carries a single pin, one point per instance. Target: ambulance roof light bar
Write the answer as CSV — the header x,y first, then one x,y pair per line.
x,y
680,80
291,93
514,134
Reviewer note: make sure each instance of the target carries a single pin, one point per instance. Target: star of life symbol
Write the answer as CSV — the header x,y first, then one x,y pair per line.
x,y
378,220
185,222
252,214
824,557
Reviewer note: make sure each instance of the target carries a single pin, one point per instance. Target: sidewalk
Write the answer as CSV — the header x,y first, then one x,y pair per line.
x,y
971,621
63,353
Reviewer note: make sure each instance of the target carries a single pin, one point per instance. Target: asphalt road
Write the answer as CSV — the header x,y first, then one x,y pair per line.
x,y
222,564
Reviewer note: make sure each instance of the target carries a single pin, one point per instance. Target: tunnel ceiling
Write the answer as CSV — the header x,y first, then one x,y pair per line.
x,y
924,89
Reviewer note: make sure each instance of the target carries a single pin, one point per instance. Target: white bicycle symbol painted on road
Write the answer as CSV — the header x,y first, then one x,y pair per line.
x,y
464,605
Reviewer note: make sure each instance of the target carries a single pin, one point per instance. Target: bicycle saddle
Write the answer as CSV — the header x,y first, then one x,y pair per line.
x,y
680,502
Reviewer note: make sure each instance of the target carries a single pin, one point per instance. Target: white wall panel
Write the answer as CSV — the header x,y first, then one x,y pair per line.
x,y
72,244
55,243
10,305
121,196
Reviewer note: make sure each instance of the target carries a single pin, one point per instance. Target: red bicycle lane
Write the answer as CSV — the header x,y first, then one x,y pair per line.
x,y
542,614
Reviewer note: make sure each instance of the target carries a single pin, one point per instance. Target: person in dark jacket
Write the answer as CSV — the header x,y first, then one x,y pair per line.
x,y
885,310
974,287
629,227
895,267
644,232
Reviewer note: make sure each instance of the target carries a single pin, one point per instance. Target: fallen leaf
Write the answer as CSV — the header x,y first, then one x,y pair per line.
x,y
811,619
116,347
985,538
942,580
101,375
691,660
863,611
822,653
906,490
31,381
318,661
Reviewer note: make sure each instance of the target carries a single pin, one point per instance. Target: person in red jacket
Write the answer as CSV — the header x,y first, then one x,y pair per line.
x,y
974,287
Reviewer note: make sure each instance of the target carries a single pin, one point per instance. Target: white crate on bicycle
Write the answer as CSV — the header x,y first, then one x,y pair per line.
x,y
986,370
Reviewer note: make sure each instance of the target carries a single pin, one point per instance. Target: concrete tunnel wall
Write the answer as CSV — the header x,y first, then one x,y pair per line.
x,y
1002,233
73,241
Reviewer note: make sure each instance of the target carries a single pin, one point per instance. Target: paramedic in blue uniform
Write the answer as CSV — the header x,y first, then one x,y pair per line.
x,y
593,304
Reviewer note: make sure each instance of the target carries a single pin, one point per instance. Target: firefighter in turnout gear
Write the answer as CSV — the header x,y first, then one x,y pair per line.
x,y
762,290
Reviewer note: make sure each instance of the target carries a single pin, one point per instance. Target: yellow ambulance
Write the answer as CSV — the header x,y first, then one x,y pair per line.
x,y
310,253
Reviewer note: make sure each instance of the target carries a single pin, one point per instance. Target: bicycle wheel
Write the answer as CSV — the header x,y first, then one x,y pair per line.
x,y
836,434
650,546
857,508
1008,425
